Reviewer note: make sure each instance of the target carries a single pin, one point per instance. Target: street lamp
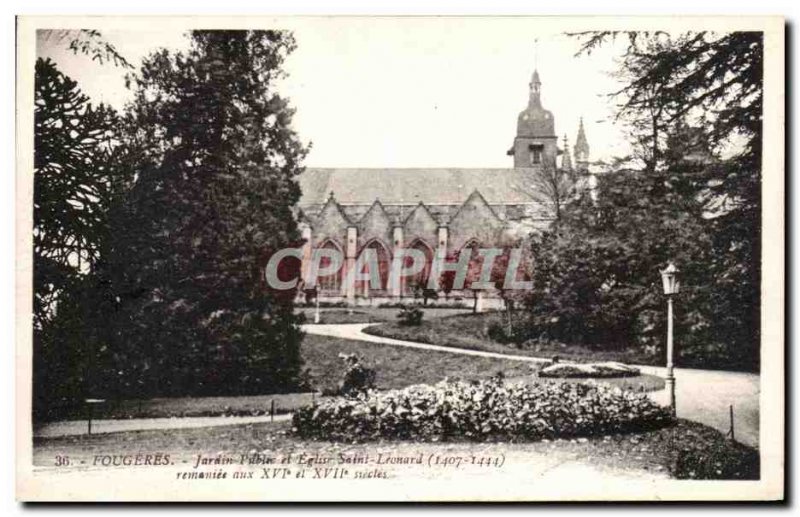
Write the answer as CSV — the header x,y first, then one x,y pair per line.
x,y
672,286
316,301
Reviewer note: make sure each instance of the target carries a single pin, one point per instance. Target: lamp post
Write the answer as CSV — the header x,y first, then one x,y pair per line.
x,y
672,286
316,301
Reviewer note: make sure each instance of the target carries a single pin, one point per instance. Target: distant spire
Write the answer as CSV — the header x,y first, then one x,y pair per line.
x,y
581,145
536,90
566,160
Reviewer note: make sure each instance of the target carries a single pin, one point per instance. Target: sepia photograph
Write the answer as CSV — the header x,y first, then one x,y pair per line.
x,y
400,259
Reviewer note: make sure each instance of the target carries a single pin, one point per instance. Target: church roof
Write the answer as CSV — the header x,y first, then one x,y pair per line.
x,y
410,186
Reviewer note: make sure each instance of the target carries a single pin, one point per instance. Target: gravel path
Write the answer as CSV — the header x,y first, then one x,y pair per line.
x,y
703,396
78,427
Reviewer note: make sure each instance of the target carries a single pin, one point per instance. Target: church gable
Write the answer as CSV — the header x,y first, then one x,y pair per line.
x,y
375,225
474,220
331,223
420,224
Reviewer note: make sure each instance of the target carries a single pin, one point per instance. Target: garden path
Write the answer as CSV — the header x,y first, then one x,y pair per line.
x,y
703,396
79,427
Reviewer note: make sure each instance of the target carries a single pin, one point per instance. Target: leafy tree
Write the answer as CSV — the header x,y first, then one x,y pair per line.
x,y
713,81
88,42
596,279
75,189
73,143
216,163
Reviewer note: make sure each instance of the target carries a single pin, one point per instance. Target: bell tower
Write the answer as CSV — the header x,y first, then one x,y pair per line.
x,y
536,142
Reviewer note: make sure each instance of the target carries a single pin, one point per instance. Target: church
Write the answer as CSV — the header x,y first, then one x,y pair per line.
x,y
438,211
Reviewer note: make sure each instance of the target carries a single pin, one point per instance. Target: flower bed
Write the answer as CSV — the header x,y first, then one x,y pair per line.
x,y
482,411
595,370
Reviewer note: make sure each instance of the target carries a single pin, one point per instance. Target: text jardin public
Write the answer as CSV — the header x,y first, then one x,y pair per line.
x,y
407,262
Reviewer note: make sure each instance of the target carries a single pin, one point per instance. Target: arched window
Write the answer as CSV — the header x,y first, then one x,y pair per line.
x,y
475,262
384,262
414,284
330,285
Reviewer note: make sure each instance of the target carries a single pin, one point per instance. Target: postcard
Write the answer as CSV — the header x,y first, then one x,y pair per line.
x,y
400,259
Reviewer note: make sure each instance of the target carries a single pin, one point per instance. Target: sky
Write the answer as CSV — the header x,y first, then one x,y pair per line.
x,y
389,92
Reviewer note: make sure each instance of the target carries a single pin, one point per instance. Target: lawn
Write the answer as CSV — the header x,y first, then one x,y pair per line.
x,y
398,367
686,450
471,331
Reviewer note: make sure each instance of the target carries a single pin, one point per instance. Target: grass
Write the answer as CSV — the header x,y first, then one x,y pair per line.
x,y
471,331
686,450
396,367
369,314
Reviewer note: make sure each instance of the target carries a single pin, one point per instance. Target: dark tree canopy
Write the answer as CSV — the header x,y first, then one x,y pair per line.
x,y
74,144
173,210
693,104
216,163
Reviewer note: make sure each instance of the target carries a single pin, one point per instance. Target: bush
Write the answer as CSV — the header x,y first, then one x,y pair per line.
x,y
496,332
499,333
410,316
481,411
596,370
357,378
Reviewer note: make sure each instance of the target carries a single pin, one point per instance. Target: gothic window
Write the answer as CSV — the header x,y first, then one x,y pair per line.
x,y
384,263
416,283
330,285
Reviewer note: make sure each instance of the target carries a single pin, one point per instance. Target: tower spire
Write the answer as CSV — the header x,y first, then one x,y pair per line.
x,y
536,90
566,160
581,148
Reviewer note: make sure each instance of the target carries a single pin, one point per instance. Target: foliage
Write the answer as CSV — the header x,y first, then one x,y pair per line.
x,y
608,369
77,187
216,163
88,42
694,104
410,316
73,185
497,332
481,411
205,165
699,452
597,277
357,378
472,332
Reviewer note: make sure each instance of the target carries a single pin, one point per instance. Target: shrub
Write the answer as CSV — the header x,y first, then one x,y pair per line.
x,y
410,316
357,378
481,411
496,332
594,370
